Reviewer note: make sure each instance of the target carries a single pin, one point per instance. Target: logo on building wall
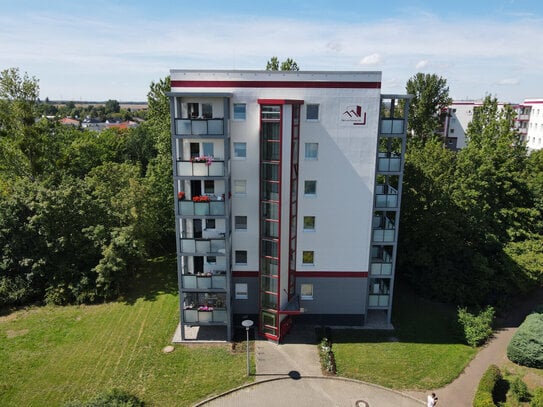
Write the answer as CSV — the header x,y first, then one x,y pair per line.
x,y
353,115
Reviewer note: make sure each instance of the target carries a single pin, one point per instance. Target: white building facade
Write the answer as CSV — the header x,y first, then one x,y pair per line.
x,y
288,189
529,123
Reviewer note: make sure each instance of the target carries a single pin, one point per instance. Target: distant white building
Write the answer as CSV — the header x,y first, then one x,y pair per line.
x,y
529,123
459,115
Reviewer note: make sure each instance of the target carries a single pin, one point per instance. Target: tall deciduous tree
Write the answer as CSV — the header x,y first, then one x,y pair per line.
x,y
430,98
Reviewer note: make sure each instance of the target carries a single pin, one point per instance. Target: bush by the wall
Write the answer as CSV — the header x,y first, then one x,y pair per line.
x,y
537,398
477,328
526,346
484,394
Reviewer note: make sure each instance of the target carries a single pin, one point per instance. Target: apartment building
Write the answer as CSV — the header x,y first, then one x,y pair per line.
x,y
288,190
529,123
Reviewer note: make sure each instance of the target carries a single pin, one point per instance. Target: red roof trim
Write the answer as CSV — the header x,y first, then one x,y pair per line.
x,y
327,274
532,102
274,84
280,102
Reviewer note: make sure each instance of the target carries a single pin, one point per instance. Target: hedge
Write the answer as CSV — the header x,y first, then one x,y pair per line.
x,y
526,346
484,394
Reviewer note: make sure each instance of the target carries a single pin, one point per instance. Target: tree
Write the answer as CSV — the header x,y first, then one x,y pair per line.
x,y
112,106
288,65
430,99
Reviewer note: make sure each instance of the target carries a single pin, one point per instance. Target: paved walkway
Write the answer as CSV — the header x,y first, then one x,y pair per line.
x,y
289,374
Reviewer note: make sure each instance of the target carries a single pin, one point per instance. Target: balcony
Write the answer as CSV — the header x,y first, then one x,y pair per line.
x,y
389,162
200,169
378,300
217,280
381,269
199,127
203,247
383,229
392,126
208,316
210,208
386,196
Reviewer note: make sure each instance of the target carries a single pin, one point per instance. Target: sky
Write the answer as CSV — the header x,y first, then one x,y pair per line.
x,y
97,50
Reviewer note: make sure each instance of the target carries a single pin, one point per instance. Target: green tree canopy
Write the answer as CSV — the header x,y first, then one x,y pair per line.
x,y
288,65
430,99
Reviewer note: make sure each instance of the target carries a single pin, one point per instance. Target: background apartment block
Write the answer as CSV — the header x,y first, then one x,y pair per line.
x,y
288,189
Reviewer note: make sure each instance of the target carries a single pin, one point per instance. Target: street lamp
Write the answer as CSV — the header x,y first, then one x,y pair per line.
x,y
247,323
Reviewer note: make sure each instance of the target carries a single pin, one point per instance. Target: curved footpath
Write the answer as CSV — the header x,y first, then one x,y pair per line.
x,y
290,374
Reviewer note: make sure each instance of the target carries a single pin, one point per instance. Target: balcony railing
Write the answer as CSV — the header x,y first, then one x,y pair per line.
x,y
381,269
215,281
187,127
392,126
383,229
389,162
386,196
211,208
203,247
204,317
200,169
378,300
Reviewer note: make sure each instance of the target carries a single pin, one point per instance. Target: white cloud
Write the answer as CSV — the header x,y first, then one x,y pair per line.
x,y
509,81
84,55
372,59
422,64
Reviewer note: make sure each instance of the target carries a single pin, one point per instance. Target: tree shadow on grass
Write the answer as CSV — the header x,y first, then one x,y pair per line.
x,y
156,276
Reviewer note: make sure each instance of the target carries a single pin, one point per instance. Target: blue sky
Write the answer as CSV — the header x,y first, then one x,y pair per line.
x,y
106,49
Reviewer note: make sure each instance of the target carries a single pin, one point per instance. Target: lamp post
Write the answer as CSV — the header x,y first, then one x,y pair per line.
x,y
247,324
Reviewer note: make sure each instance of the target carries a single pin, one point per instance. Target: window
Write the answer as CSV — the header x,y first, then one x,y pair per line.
x,y
240,187
210,223
310,187
211,259
240,151
312,112
208,149
306,292
240,222
242,291
240,256
209,186
308,257
207,110
240,111
309,223
311,151
452,130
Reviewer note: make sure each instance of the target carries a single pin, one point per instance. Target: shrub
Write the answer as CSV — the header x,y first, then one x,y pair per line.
x,y
328,360
111,398
484,394
519,389
526,346
477,328
537,398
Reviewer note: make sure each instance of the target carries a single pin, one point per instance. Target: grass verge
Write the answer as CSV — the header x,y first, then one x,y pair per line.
x,y
50,355
424,352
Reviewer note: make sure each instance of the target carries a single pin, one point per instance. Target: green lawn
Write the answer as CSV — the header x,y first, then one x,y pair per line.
x,y
49,355
424,352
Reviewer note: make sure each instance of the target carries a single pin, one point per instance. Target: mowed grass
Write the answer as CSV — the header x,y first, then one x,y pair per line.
x,y
424,352
50,355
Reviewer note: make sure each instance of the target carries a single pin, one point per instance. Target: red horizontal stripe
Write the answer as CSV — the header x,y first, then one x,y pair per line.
x,y
274,84
280,102
327,274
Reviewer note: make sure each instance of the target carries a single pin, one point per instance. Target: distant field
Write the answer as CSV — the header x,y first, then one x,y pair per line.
x,y
49,355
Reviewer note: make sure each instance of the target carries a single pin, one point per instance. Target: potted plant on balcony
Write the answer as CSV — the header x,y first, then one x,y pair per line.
x,y
181,195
